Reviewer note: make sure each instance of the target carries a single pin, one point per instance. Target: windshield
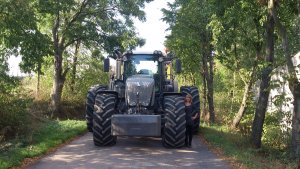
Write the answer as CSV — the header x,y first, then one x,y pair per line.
x,y
141,64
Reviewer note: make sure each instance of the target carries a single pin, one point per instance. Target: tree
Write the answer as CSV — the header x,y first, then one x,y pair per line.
x,y
74,65
288,11
20,34
190,39
7,83
97,24
237,39
88,21
261,108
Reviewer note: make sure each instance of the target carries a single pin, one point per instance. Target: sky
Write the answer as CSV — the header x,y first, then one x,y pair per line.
x,y
14,69
153,31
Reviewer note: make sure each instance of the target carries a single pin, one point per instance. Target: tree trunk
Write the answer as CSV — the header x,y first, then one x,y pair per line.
x,y
208,73
194,80
74,66
232,94
234,75
210,86
38,81
295,147
59,75
58,83
248,85
204,113
294,85
240,113
257,126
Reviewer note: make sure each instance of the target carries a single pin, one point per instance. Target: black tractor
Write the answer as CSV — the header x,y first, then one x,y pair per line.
x,y
142,99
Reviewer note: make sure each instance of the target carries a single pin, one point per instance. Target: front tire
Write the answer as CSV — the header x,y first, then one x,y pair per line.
x,y
174,129
104,109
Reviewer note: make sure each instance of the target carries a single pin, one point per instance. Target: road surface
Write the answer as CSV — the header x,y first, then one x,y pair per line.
x,y
130,153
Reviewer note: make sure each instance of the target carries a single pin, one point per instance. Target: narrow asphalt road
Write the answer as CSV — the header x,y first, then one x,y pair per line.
x,y
130,153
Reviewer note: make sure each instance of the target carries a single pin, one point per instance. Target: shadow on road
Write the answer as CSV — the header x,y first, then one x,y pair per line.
x,y
130,152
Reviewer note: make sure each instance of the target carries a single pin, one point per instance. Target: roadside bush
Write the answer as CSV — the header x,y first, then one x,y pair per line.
x,y
30,83
275,135
48,135
224,107
89,73
14,119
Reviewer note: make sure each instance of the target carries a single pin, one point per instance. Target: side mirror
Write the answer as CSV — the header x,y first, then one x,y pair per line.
x,y
106,65
178,66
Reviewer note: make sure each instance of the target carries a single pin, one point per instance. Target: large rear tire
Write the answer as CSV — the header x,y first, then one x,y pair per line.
x,y
194,92
104,109
89,106
174,129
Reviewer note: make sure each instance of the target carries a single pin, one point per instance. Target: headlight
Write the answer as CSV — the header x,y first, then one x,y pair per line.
x,y
160,59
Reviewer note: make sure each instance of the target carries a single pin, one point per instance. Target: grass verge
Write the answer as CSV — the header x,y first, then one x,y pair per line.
x,y
236,148
49,135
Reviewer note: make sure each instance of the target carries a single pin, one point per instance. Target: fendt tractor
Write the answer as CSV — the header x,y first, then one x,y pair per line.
x,y
142,99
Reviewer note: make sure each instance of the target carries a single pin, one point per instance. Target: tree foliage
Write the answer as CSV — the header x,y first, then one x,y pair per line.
x,y
190,39
38,28
239,37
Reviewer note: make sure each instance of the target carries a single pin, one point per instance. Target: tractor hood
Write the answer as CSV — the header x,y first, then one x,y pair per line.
x,y
140,89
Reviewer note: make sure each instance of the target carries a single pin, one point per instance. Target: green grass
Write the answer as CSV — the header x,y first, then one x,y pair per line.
x,y
237,147
49,135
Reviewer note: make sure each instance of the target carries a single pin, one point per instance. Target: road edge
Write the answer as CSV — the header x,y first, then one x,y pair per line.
x,y
220,153
30,161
